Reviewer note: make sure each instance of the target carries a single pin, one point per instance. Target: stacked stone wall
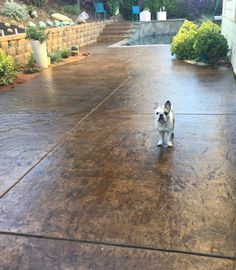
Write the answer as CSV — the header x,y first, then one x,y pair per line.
x,y
58,38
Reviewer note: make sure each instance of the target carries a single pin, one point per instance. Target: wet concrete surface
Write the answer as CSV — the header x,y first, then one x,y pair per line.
x,y
106,182
29,253
36,115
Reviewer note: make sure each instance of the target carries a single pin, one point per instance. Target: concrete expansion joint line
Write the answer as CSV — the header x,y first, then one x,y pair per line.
x,y
68,133
120,245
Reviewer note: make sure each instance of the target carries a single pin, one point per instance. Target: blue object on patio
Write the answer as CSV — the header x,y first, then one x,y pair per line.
x,y
135,11
99,8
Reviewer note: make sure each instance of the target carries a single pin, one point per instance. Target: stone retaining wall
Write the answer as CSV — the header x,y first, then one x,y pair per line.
x,y
58,38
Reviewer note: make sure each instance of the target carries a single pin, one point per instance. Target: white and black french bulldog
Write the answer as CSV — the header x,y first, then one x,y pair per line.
x,y
164,122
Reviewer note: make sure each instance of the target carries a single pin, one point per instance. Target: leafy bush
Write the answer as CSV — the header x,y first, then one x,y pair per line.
x,y
38,3
14,10
113,6
210,44
209,25
72,9
205,43
31,67
36,33
126,8
65,53
7,69
182,45
155,5
182,10
55,57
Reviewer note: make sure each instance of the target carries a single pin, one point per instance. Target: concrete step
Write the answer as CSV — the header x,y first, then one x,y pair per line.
x,y
119,25
114,32
112,39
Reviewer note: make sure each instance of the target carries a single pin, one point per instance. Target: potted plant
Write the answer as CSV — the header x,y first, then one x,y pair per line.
x,y
38,38
161,15
145,15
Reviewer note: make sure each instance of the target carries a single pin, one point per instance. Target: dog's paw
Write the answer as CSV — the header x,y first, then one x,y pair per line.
x,y
159,143
170,144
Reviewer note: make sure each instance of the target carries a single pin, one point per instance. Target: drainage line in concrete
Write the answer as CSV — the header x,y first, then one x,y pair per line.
x,y
66,135
129,246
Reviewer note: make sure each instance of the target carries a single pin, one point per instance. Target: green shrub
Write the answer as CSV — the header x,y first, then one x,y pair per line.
x,y
65,53
114,6
36,33
72,9
182,9
38,3
14,10
7,69
182,45
55,57
155,5
205,43
126,8
209,25
210,44
31,66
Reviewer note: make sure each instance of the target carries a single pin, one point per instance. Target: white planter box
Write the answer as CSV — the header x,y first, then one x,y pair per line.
x,y
40,53
145,16
161,16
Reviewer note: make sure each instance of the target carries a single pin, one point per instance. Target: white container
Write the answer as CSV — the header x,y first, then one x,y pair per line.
x,y
161,16
40,53
145,16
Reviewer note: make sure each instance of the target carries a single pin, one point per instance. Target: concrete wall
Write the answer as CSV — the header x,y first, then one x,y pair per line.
x,y
157,27
58,38
229,28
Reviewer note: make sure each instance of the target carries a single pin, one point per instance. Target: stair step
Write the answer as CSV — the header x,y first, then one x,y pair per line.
x,y
110,39
117,25
116,32
115,36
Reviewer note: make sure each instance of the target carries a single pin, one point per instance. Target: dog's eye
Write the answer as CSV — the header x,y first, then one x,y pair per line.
x,y
157,113
165,113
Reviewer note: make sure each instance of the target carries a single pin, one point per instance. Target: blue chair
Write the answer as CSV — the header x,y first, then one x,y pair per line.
x,y
135,11
99,8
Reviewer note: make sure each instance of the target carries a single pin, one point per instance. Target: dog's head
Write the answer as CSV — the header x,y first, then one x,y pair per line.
x,y
162,113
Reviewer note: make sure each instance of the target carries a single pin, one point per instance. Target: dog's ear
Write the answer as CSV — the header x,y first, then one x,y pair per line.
x,y
155,106
168,105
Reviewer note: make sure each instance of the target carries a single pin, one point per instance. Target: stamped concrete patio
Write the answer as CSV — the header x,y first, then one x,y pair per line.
x,y
83,185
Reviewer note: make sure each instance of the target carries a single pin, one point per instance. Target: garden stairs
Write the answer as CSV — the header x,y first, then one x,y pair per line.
x,y
117,31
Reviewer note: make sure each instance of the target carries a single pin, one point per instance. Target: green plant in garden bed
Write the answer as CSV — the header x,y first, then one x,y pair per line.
x,y
7,69
14,10
65,53
31,66
36,33
72,9
55,57
182,45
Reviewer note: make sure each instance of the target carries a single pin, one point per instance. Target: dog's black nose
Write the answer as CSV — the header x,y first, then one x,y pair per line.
x,y
161,115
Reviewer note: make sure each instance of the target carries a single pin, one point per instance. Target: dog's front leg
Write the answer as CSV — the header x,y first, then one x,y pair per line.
x,y
169,136
161,138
